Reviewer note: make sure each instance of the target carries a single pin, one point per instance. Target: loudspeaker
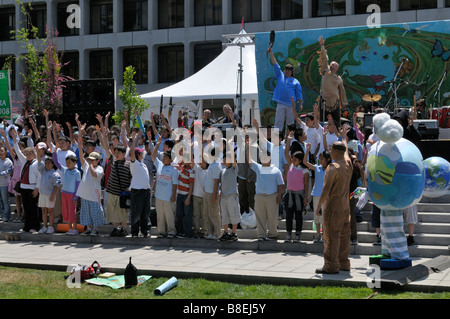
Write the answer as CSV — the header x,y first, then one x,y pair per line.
x,y
368,118
89,95
100,94
88,98
429,129
73,95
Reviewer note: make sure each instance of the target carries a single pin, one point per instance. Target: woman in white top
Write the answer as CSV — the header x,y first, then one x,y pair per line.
x,y
29,187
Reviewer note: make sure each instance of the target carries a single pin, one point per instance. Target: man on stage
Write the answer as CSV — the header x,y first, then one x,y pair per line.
x,y
287,87
332,90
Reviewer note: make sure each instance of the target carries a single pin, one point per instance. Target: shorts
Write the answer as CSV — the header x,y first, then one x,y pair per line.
x,y
44,201
317,219
230,210
410,215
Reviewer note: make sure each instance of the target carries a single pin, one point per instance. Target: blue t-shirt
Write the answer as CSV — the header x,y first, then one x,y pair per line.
x,y
213,172
286,88
71,179
278,157
166,177
318,180
267,178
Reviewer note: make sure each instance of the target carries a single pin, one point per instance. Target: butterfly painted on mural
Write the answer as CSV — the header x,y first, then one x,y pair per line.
x,y
439,51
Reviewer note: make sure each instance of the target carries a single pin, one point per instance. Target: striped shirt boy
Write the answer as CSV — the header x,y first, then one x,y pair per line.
x,y
186,176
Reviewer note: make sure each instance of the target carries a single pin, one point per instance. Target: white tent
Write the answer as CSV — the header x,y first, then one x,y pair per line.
x,y
217,80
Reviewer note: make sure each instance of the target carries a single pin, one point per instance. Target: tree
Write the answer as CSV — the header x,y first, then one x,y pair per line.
x,y
42,79
130,98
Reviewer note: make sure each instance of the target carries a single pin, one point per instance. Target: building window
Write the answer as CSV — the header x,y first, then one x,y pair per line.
x,y
287,9
8,18
249,10
135,15
138,58
170,63
101,64
417,4
11,62
62,16
361,5
204,53
101,17
38,18
70,64
323,8
207,12
170,14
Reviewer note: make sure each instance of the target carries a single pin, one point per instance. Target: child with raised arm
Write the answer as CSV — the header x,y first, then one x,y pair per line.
x,y
165,192
229,198
319,169
71,179
91,211
296,198
49,184
140,190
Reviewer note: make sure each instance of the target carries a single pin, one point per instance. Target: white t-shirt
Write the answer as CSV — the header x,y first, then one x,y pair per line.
x,y
139,175
313,136
90,187
199,182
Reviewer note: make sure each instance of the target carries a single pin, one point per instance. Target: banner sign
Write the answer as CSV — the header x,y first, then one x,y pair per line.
x,y
5,95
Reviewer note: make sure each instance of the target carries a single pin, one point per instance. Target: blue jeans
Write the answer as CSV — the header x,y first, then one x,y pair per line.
x,y
183,217
5,203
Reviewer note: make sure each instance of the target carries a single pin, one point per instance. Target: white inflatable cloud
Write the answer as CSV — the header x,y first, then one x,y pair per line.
x,y
386,129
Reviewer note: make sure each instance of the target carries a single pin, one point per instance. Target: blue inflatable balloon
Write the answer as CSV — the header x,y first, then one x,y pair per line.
x,y
395,174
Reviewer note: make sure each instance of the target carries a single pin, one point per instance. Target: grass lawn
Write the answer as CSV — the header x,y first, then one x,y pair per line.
x,y
19,283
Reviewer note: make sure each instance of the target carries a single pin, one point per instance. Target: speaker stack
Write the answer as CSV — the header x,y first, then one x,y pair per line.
x,y
88,98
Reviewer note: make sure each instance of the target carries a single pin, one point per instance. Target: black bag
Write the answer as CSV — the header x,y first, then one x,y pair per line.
x,y
17,187
124,197
25,168
130,275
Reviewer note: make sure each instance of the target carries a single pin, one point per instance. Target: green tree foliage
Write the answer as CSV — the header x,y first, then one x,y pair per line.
x,y
131,99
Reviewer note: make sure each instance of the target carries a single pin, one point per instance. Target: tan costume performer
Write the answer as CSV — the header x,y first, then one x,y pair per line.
x,y
336,213
332,90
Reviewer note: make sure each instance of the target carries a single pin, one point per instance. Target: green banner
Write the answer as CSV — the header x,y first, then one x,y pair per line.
x,y
5,96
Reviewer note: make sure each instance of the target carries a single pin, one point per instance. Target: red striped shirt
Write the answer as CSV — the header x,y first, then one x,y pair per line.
x,y
185,177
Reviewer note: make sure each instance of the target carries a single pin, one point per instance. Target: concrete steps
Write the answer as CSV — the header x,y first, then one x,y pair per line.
x,y
432,235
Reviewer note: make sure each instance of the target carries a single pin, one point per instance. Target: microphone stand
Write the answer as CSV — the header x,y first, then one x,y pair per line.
x,y
438,93
395,86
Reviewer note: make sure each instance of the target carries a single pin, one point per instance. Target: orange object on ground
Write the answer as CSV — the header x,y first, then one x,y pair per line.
x,y
64,228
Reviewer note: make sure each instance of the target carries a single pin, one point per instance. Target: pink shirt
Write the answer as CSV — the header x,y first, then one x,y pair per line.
x,y
295,178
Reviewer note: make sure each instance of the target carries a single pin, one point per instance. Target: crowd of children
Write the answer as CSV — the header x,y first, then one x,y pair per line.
x,y
97,174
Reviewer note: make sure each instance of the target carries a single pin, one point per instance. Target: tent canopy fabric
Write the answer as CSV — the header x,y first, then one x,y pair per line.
x,y
217,80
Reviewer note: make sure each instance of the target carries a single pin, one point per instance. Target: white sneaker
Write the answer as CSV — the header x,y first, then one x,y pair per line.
x,y
211,236
43,230
50,230
72,232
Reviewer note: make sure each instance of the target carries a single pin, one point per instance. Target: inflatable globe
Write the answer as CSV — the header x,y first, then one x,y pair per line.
x,y
437,177
395,174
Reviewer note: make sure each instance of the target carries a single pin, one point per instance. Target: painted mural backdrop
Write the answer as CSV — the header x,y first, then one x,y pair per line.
x,y
368,57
